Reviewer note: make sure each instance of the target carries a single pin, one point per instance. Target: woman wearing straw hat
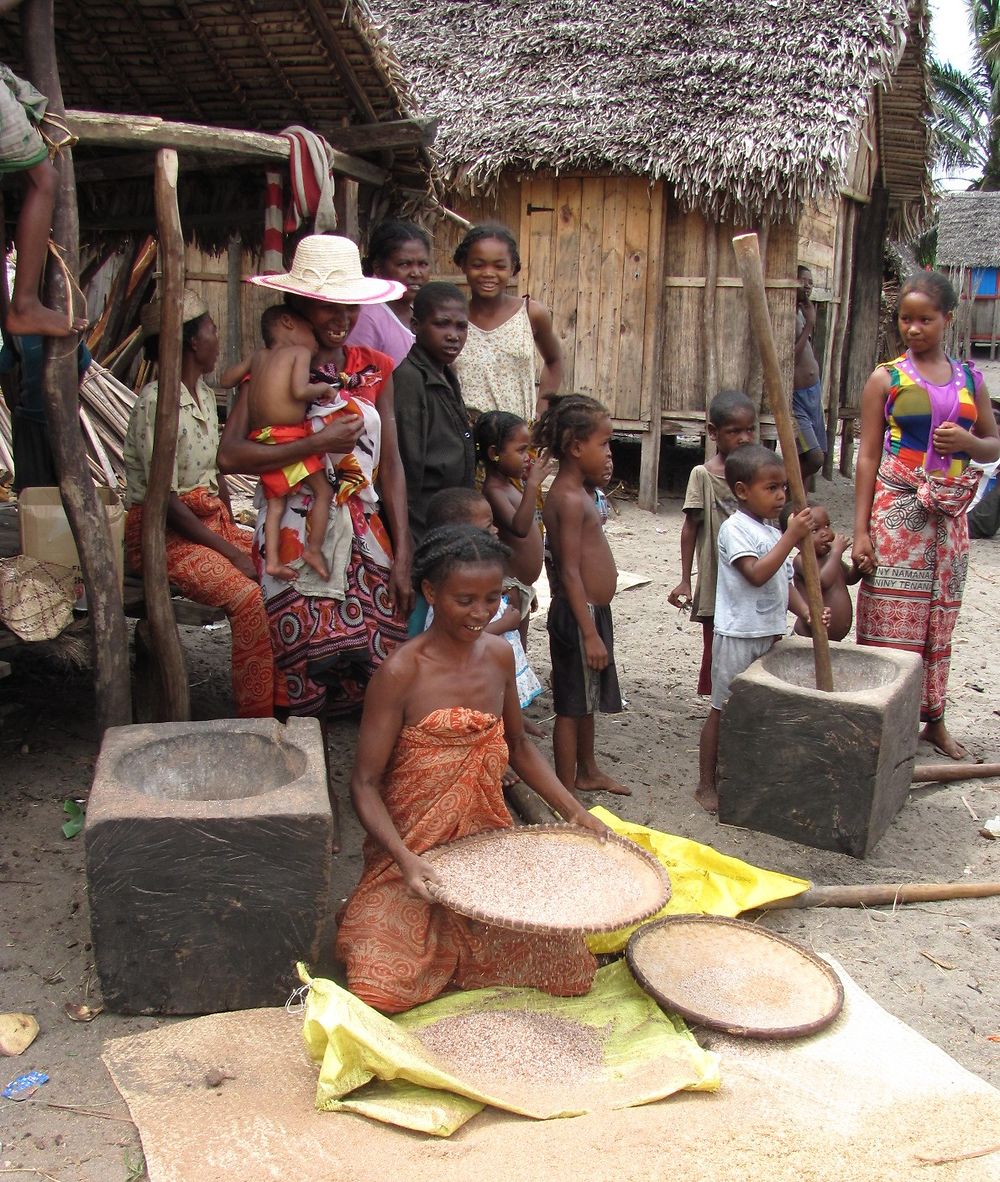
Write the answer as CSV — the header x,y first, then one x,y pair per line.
x,y
328,645
208,555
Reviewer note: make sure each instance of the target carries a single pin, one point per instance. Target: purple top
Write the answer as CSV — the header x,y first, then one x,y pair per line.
x,y
944,402
378,327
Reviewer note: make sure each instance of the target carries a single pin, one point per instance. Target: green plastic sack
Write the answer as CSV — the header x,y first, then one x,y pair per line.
x,y
648,1054
703,881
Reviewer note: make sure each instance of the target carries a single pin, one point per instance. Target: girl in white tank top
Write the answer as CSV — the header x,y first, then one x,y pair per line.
x,y
497,366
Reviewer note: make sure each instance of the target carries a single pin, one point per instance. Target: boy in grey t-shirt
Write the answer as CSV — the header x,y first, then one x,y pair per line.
x,y
754,588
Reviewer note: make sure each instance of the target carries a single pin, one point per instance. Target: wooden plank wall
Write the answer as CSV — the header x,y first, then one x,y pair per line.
x,y
684,393
862,165
207,275
590,248
817,245
591,252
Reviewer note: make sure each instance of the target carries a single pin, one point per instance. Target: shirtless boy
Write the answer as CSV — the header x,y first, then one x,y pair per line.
x,y
279,388
577,432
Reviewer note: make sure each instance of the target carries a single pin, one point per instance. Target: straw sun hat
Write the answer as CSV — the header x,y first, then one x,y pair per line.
x,y
327,267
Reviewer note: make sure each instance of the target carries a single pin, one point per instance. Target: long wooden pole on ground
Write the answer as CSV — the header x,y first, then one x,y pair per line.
x,y
165,640
948,773
748,260
881,894
87,519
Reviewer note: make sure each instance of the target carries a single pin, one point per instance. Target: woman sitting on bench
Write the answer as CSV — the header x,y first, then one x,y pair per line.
x,y
208,555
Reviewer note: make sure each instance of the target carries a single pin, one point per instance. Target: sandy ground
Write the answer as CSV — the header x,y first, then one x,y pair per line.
x,y
935,966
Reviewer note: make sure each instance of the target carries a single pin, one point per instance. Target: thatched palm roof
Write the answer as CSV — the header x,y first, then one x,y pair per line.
x,y
257,64
969,230
742,106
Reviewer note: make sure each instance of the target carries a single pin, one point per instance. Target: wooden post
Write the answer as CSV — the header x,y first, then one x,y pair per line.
x,y
709,338
748,261
351,225
832,322
234,306
165,641
87,519
840,336
652,360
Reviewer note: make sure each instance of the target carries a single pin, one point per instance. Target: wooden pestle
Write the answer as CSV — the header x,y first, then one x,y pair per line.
x,y
747,251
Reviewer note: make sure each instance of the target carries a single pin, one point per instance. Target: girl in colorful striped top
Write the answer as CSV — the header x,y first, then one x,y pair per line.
x,y
924,416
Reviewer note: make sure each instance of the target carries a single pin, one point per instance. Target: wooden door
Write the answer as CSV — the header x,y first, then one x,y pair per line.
x,y
591,251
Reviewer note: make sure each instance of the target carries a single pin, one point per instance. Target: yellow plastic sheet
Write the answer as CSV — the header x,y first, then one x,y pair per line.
x,y
648,1054
703,881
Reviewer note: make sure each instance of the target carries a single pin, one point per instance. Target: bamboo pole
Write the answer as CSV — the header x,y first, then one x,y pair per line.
x,y
748,261
87,519
710,342
882,894
168,656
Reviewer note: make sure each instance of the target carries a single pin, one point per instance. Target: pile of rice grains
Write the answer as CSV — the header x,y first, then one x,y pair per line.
x,y
523,1054
559,884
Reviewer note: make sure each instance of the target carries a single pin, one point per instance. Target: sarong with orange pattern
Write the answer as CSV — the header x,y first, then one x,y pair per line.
x,y
920,536
442,783
281,481
204,575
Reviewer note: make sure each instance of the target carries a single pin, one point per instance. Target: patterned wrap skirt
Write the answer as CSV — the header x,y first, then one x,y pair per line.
x,y
920,535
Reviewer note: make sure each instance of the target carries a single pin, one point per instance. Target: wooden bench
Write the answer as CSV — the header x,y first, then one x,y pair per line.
x,y
186,611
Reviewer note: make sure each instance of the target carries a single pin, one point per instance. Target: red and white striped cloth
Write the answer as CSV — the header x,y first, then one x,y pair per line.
x,y
273,262
310,167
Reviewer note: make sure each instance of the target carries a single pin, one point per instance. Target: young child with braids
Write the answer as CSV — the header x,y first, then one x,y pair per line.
x,y
511,485
441,721
576,431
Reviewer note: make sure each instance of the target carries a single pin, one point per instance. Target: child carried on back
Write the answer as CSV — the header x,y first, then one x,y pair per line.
x,y
754,589
280,387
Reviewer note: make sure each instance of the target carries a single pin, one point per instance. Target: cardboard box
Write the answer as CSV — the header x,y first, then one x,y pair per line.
x,y
45,532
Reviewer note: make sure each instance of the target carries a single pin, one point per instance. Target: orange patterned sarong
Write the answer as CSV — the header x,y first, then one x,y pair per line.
x,y
204,575
442,783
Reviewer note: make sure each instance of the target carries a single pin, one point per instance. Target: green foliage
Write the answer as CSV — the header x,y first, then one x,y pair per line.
x,y
966,105
73,811
135,1165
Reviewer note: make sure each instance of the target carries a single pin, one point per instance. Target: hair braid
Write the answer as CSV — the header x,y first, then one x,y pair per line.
x,y
454,545
479,234
569,418
389,236
493,429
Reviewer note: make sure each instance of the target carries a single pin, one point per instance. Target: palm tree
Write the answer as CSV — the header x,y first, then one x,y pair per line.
x,y
966,104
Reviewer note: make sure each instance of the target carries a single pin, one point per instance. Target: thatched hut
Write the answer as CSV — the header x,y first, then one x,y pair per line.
x,y
217,80
626,142
968,250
